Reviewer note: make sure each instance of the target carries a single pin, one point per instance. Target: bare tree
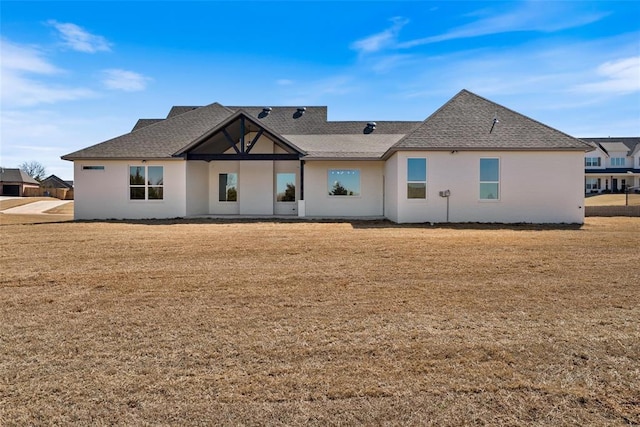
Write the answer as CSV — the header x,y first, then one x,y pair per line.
x,y
34,169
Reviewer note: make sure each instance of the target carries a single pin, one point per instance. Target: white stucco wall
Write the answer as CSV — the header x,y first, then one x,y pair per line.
x,y
391,186
104,194
535,187
319,203
256,187
197,188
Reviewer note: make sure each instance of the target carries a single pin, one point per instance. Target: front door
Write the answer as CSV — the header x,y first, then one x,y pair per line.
x,y
614,185
285,194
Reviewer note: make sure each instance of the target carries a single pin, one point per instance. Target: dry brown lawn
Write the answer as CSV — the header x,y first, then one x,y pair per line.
x,y
275,323
14,219
633,199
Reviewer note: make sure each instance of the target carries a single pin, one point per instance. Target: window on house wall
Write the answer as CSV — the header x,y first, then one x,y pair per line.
x,y
489,179
592,161
343,182
592,184
92,168
617,161
416,178
286,187
228,187
146,182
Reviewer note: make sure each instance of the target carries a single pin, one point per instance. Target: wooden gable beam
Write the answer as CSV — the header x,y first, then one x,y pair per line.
x,y
254,140
230,140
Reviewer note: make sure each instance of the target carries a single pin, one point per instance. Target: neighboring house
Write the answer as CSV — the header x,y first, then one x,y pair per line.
x,y
52,186
470,161
13,182
613,166
53,182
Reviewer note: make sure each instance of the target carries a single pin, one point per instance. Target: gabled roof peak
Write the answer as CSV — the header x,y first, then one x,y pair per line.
x,y
470,122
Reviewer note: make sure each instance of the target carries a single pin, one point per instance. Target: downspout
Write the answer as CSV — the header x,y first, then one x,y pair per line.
x,y
302,209
302,180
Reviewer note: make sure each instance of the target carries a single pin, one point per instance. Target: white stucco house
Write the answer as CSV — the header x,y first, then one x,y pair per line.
x,y
470,161
613,165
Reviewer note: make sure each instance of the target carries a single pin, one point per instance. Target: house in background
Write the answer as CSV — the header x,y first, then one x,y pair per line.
x,y
52,181
470,161
613,165
14,182
53,186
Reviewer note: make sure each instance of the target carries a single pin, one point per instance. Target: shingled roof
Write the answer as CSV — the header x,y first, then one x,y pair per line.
x,y
158,140
184,126
470,122
466,122
632,144
16,176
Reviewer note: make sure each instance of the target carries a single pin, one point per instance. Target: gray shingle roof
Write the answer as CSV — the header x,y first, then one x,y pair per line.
x,y
159,140
162,138
52,181
16,176
632,143
144,122
462,123
465,123
345,146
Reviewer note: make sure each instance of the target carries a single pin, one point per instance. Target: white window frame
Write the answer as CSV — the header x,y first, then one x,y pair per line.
x,y
589,162
237,176
497,199
426,173
146,184
616,160
591,184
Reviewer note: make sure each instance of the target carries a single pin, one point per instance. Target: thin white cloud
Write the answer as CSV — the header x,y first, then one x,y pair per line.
x,y
284,82
127,81
24,59
528,16
20,89
79,39
381,40
620,77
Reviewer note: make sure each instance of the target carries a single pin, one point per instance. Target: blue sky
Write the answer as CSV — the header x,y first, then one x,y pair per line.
x,y
78,73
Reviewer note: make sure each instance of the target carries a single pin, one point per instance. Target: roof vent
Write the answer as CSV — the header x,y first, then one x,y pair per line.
x,y
371,126
265,112
299,112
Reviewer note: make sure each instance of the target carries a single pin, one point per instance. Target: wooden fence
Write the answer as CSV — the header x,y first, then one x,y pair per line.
x,y
612,211
58,193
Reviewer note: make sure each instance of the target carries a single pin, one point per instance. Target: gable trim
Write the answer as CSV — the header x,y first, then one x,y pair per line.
x,y
245,149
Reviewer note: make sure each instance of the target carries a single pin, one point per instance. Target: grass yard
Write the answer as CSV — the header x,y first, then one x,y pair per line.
x,y
275,323
633,199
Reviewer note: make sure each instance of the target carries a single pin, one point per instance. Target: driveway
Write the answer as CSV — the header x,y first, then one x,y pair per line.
x,y
36,207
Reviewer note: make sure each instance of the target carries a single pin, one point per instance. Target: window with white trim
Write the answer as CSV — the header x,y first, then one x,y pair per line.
x,y
416,178
592,161
592,184
228,187
617,161
490,179
146,182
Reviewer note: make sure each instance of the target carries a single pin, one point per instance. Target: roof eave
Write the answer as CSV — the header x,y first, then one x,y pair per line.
x,y
392,150
103,158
